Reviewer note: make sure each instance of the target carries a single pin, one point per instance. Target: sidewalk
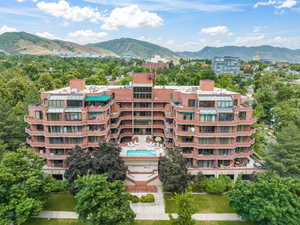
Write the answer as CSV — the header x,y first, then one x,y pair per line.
x,y
147,215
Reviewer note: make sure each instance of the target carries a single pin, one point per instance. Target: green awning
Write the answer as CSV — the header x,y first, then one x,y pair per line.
x,y
99,98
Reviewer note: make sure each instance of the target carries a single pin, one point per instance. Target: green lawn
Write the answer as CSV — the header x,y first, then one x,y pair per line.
x,y
75,222
63,201
205,203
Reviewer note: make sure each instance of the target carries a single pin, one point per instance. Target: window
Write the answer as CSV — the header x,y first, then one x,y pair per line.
x,y
225,104
94,139
57,151
38,115
74,103
187,128
54,116
147,113
225,140
207,117
73,116
225,129
207,129
205,141
187,150
74,140
58,163
241,128
72,129
239,150
142,122
242,115
192,102
142,92
56,140
188,115
187,139
56,103
55,129
225,116
142,105
40,138
93,115
206,151
95,128
223,151
39,127
205,163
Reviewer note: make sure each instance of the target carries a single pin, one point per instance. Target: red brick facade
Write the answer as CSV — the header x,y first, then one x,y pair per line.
x,y
210,125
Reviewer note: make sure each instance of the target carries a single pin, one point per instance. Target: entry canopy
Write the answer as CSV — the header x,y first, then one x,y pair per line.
x,y
99,98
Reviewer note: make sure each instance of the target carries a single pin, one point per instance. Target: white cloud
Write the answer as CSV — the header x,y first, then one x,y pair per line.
x,y
5,28
216,30
258,29
74,13
87,36
131,17
47,35
279,4
173,5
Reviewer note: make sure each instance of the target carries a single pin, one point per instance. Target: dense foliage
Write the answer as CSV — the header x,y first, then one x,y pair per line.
x,y
173,172
104,159
24,188
102,202
270,200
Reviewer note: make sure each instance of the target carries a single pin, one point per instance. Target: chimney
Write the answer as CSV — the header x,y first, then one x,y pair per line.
x,y
207,85
77,84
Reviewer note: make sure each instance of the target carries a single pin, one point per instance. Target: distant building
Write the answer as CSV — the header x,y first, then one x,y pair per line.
x,y
155,66
226,64
265,61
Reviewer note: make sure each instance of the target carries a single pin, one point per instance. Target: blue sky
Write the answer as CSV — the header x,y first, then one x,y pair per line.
x,y
176,24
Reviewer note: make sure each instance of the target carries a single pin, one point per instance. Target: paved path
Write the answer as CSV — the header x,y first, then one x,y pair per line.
x,y
147,216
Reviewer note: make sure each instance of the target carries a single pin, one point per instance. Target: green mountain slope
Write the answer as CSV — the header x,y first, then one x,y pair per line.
x,y
13,43
135,48
247,53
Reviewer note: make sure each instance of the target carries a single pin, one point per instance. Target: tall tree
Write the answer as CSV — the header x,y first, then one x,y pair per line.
x,y
24,188
102,202
185,209
106,159
173,172
283,156
270,200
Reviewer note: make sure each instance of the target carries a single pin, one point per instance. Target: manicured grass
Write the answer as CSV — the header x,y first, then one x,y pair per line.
x,y
63,201
75,222
205,203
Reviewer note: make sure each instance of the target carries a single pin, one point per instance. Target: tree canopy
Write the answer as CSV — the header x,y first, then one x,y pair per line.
x,y
102,202
270,200
173,172
24,188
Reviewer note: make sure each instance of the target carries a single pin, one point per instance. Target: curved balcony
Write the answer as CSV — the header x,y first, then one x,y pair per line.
x,y
34,132
31,120
35,143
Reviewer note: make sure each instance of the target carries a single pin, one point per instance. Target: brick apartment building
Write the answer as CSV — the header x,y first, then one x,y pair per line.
x,y
212,126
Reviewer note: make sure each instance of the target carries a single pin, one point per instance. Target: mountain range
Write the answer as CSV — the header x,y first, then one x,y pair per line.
x,y
15,43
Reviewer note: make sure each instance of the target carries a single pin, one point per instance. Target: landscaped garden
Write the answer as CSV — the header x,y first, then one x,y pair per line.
x,y
204,203
148,222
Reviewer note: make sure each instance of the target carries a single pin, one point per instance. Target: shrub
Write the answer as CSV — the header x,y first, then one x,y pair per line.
x,y
148,198
59,185
199,183
218,185
133,198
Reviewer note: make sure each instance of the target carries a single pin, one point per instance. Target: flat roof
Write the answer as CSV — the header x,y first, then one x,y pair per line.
x,y
95,89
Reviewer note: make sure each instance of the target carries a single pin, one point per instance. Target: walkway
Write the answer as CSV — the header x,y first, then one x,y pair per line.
x,y
147,216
